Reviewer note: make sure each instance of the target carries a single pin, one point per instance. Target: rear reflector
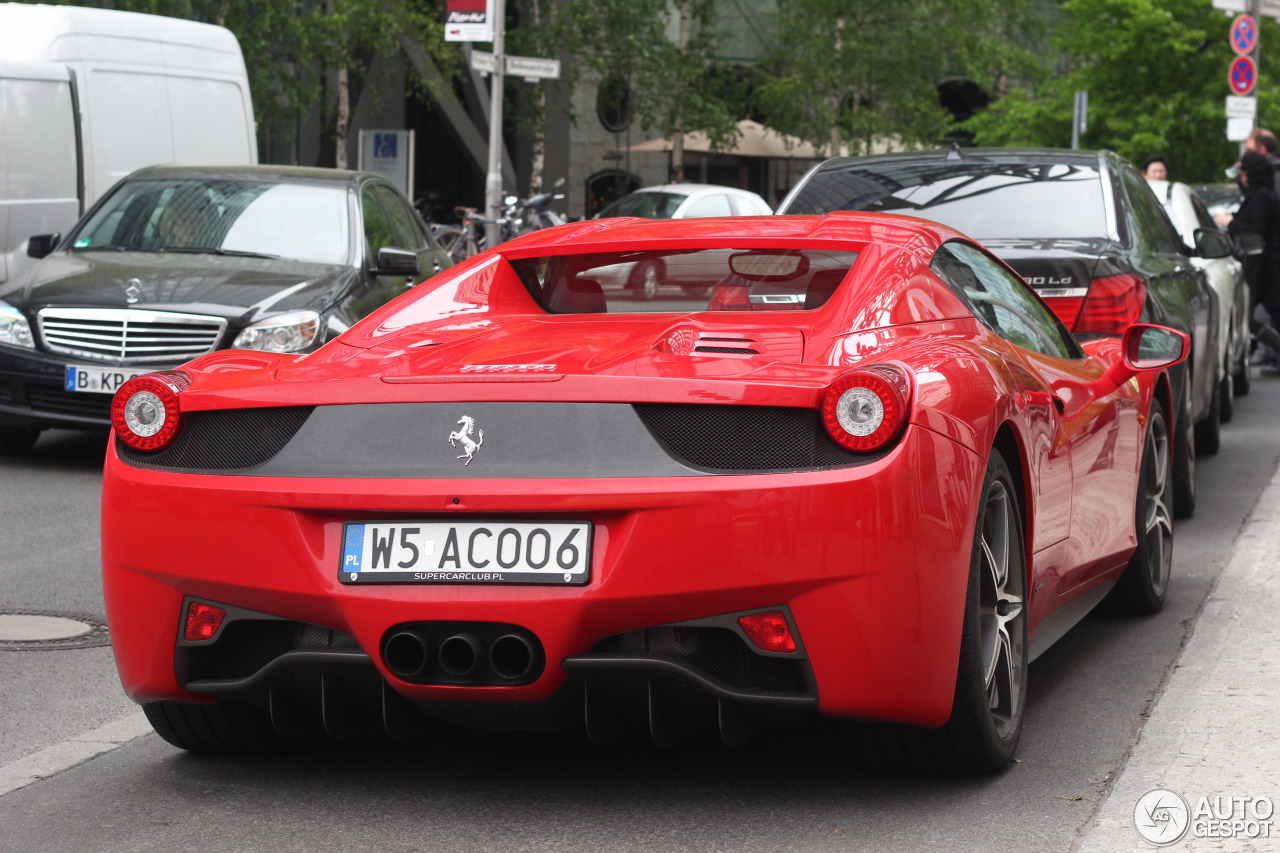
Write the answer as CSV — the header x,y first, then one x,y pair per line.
x,y
203,621
769,631
1113,303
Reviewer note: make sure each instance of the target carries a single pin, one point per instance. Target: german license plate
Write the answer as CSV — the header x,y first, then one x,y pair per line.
x,y
540,552
98,380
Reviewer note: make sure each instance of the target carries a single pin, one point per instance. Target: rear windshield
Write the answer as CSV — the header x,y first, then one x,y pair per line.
x,y
984,200
647,205
685,281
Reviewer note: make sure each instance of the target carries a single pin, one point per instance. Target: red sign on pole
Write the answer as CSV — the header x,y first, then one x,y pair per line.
x,y
1242,76
1244,34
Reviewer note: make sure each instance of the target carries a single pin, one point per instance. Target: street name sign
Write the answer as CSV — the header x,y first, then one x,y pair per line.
x,y
482,61
1231,5
533,68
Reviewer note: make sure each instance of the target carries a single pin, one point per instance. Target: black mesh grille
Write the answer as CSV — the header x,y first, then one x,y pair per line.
x,y
733,350
718,652
746,438
63,402
247,645
224,440
6,393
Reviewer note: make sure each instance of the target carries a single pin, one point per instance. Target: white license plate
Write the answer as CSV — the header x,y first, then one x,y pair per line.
x,y
542,552
98,380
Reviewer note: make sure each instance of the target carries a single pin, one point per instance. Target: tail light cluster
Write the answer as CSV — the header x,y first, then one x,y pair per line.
x,y
1113,302
145,411
865,410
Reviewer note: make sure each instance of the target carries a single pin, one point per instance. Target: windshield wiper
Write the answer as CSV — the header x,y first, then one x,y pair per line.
x,y
193,250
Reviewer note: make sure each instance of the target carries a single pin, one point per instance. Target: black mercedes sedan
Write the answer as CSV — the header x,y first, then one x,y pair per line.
x,y
1083,229
175,262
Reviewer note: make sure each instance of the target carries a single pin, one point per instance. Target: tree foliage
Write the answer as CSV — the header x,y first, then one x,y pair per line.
x,y
1156,74
866,70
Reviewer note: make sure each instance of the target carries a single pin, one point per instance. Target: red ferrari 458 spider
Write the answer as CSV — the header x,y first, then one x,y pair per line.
x,y
866,474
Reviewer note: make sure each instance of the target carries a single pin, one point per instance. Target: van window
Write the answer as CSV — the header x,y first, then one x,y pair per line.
x,y
41,140
208,122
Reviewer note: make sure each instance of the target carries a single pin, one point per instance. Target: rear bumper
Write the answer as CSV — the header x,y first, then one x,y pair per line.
x,y
871,563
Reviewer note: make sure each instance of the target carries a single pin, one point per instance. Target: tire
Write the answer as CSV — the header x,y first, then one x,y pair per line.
x,y
1242,375
645,278
1145,582
1209,430
1184,462
1227,396
224,728
14,441
981,736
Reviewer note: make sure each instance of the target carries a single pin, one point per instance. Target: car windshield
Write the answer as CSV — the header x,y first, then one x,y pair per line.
x,y
305,222
685,281
648,205
982,199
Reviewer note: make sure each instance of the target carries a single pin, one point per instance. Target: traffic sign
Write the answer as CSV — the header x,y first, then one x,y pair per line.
x,y
1238,129
1242,107
533,68
1242,76
1231,5
1244,34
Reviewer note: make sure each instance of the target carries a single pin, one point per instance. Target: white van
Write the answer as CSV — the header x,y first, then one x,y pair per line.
x,y
89,95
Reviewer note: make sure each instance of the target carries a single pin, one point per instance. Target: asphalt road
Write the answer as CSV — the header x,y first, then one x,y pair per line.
x,y
784,790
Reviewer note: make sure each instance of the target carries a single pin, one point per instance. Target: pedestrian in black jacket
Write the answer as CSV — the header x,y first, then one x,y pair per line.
x,y
1259,214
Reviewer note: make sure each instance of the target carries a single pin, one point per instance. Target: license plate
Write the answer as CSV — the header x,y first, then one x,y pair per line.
x,y
546,552
98,380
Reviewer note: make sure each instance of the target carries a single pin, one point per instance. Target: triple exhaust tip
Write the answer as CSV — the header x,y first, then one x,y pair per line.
x,y
411,655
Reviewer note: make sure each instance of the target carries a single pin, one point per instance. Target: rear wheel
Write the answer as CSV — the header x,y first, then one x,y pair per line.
x,y
1145,582
982,733
16,440
1241,373
454,242
645,278
224,728
1227,395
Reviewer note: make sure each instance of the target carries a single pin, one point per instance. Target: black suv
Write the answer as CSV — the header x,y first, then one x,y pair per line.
x,y
1083,229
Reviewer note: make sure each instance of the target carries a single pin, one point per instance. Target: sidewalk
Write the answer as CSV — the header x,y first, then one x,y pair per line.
x,y
1215,733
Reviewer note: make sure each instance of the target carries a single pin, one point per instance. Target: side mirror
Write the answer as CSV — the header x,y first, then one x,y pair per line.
x,y
1142,348
396,262
42,245
1212,243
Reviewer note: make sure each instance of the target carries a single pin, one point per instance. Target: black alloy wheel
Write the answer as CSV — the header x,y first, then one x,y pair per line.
x,y
1241,373
1145,582
1209,430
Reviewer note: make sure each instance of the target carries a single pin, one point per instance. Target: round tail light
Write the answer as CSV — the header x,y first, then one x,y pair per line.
x,y
865,410
145,412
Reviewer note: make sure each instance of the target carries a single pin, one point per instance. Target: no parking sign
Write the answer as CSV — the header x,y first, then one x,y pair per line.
x,y
1244,34
1242,76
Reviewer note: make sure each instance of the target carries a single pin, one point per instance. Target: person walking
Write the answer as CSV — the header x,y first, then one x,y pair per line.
x,y
1259,214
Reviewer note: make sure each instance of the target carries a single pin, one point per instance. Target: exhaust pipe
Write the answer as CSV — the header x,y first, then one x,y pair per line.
x,y
461,654
408,654
511,656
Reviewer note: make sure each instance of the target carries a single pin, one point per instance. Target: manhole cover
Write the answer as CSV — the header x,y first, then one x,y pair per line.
x,y
42,630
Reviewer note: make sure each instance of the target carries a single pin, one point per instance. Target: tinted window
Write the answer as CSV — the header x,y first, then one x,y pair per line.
x,y
405,232
1001,300
712,205
377,230
981,199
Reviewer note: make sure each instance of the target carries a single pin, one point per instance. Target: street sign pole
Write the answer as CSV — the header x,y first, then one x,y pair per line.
x,y
493,182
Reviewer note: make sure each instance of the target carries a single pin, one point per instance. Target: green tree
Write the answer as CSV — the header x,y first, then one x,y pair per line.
x,y
1156,74
855,71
